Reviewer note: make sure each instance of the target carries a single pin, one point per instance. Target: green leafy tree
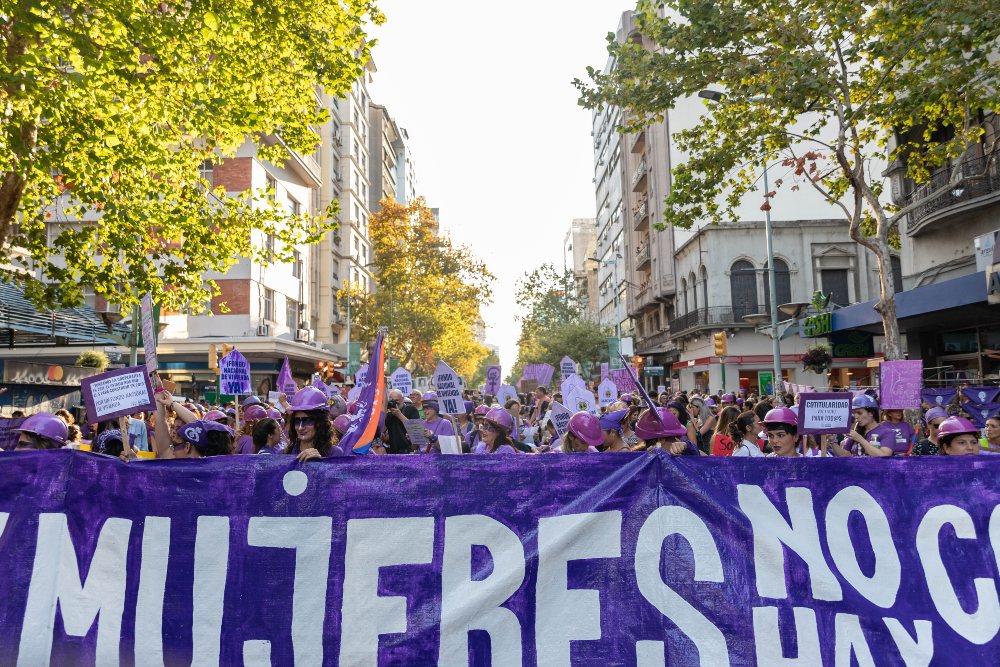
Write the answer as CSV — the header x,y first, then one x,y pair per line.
x,y
831,89
428,292
553,322
111,106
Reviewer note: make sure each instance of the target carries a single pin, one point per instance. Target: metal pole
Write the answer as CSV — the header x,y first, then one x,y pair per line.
x,y
775,339
348,328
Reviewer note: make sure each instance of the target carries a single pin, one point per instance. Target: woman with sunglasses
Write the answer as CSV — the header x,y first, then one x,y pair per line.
x,y
930,445
434,425
310,434
495,432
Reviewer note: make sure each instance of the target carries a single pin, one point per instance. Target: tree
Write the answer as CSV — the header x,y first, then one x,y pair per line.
x,y
92,359
427,291
111,106
824,88
553,322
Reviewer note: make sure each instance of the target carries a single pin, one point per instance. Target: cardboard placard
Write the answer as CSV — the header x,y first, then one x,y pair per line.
x,y
402,380
560,415
117,393
493,380
234,374
449,390
567,367
415,430
506,393
900,384
450,444
824,413
607,392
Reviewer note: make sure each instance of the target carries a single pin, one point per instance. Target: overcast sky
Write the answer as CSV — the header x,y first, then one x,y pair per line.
x,y
501,146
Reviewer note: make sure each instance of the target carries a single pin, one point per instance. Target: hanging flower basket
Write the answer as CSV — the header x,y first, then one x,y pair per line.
x,y
817,359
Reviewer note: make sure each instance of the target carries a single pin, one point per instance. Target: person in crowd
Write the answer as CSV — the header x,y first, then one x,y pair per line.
x,y
727,399
958,437
929,445
870,437
722,443
252,414
418,403
217,416
434,425
583,434
398,410
42,430
17,414
495,433
66,416
681,412
900,431
664,399
74,437
990,441
611,424
666,433
108,442
513,406
266,436
200,439
707,420
340,426
542,404
465,425
310,434
781,425
743,430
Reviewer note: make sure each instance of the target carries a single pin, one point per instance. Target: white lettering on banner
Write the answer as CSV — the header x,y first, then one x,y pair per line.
x,y
470,601
663,522
372,544
771,531
119,392
850,641
211,565
562,539
980,626
767,636
310,538
915,652
55,581
152,588
880,588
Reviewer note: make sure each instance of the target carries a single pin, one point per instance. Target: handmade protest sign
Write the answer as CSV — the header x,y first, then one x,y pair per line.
x,y
567,367
824,413
528,386
622,379
402,381
660,388
148,333
361,376
713,562
286,383
449,444
234,374
354,392
900,384
415,431
607,392
448,389
582,400
571,383
117,393
506,393
493,382
560,414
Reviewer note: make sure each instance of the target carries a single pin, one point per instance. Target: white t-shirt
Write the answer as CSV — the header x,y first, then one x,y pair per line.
x,y
747,448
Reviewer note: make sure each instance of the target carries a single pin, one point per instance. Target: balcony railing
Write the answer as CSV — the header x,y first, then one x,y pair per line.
x,y
640,211
709,317
639,172
642,254
656,340
637,141
979,177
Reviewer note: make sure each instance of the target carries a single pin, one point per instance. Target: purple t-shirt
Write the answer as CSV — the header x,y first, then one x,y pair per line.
x,y
244,445
896,437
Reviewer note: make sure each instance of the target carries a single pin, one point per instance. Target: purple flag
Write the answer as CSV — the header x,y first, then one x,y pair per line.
x,y
642,390
980,412
981,394
492,385
260,539
361,433
939,397
286,383
900,384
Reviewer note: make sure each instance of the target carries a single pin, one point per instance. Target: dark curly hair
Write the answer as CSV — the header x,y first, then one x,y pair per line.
x,y
324,440
219,443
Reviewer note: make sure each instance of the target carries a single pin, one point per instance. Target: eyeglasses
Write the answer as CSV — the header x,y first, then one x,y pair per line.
x,y
488,427
936,424
176,445
303,421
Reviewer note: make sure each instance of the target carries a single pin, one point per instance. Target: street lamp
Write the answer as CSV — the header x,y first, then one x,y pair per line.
x,y
717,97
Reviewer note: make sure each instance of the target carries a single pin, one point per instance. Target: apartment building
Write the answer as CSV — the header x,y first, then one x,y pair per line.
x,y
579,248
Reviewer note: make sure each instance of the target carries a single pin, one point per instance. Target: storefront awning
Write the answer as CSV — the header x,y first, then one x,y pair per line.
x,y
967,292
24,325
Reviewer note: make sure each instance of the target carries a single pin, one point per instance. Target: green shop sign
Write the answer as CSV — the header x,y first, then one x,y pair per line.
x,y
816,325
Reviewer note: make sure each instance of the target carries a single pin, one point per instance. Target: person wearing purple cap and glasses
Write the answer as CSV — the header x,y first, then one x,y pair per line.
x,y
434,425
611,424
310,434
495,433
929,446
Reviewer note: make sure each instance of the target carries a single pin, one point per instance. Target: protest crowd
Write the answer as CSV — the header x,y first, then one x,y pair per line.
x,y
317,421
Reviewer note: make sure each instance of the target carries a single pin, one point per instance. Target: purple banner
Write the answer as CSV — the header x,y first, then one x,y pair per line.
x,y
8,436
286,383
980,412
900,384
389,560
981,394
493,381
622,379
938,397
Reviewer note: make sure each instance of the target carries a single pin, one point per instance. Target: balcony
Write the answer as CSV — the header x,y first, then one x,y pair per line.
x,y
714,316
640,213
642,255
639,177
657,342
979,185
637,141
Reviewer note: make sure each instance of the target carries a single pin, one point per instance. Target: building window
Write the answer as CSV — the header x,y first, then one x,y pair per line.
x,y
684,292
835,282
704,286
269,246
694,291
743,289
296,264
269,304
291,313
782,283
272,187
897,274
206,171
294,206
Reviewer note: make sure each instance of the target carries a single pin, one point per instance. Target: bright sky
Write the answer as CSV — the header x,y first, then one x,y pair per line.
x,y
501,147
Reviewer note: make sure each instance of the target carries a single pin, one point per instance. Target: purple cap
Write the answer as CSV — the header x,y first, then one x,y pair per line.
x,y
342,423
251,400
103,441
612,421
935,413
728,398
197,432
957,425
214,415
469,407
710,402
781,416
46,425
255,412
338,406
648,428
586,427
501,418
308,398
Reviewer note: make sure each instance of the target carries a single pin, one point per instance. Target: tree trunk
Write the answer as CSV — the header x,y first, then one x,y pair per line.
x,y
886,306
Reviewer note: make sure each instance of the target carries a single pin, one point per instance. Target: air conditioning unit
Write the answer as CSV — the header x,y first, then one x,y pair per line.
x,y
263,329
302,335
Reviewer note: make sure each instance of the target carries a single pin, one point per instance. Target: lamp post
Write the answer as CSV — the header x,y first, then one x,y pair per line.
x,y
716,97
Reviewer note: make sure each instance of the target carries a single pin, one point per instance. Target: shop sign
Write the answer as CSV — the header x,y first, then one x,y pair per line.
x,y
22,372
993,284
987,250
852,344
816,325
652,370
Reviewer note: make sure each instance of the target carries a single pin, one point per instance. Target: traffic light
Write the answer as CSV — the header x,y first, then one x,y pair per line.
x,y
719,339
